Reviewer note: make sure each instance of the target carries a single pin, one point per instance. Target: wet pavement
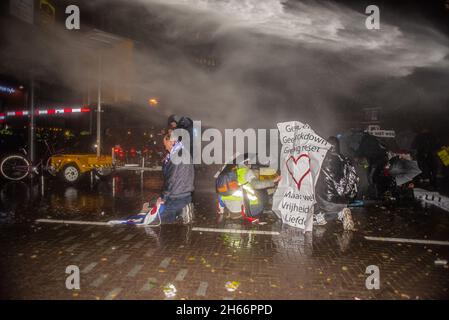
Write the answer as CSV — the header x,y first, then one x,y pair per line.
x,y
129,262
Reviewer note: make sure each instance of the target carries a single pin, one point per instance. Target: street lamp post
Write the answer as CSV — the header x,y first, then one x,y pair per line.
x,y
99,108
32,121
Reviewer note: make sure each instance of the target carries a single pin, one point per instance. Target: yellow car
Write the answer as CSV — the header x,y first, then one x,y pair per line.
x,y
70,167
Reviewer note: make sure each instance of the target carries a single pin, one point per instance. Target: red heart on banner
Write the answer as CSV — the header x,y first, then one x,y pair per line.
x,y
296,161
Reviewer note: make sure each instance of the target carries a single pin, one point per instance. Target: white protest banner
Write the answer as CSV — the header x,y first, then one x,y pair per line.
x,y
302,154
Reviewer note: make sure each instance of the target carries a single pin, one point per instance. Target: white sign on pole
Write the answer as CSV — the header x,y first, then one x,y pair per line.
x,y
22,9
383,133
302,154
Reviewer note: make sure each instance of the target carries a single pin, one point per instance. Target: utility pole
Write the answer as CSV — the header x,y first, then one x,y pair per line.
x,y
88,103
99,108
32,121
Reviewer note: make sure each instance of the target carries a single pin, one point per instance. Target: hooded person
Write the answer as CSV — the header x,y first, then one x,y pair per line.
x,y
177,122
172,121
175,200
335,188
376,154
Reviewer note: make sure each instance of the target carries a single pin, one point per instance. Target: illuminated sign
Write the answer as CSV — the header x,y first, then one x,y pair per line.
x,y
7,90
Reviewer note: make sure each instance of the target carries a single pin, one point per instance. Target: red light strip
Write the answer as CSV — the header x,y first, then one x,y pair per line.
x,y
43,112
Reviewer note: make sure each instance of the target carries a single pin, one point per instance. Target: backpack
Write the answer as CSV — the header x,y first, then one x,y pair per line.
x,y
226,183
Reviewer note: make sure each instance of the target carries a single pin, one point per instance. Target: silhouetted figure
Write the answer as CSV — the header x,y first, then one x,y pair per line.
x,y
336,187
426,146
376,155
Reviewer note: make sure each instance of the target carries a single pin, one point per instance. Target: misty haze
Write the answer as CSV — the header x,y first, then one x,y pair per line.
x,y
314,151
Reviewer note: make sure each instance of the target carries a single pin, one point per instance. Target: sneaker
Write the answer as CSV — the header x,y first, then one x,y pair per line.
x,y
246,218
251,220
319,220
345,217
187,214
191,211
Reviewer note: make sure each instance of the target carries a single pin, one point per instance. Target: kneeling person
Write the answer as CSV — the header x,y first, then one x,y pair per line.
x,y
176,196
244,198
175,200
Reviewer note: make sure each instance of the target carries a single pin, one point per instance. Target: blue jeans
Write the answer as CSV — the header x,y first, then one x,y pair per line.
x,y
172,208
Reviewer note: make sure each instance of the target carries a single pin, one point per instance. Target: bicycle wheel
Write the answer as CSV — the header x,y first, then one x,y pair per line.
x,y
15,167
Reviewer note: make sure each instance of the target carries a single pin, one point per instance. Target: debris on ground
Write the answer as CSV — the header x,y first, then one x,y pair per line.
x,y
170,290
441,262
231,286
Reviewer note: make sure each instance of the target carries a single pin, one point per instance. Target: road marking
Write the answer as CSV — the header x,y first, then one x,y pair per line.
x,y
164,263
113,293
418,241
274,233
89,267
202,289
122,259
181,275
96,223
135,270
99,281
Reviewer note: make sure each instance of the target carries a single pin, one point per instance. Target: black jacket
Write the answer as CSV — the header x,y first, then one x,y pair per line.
x,y
178,179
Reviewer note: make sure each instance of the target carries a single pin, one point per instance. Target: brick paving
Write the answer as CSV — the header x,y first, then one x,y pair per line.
x,y
128,262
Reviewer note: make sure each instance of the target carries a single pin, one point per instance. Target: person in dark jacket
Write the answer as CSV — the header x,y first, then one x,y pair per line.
x,y
335,188
178,183
175,200
426,148
376,154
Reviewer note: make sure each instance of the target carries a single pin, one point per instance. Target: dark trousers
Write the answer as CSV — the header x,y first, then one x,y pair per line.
x,y
375,176
427,164
172,208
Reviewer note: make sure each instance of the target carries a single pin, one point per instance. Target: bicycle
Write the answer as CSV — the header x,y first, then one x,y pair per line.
x,y
18,166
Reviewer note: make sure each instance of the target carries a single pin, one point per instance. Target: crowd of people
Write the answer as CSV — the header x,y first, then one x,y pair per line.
x,y
242,194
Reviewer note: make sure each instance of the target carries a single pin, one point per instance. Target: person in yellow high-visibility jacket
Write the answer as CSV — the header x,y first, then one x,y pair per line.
x,y
245,201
